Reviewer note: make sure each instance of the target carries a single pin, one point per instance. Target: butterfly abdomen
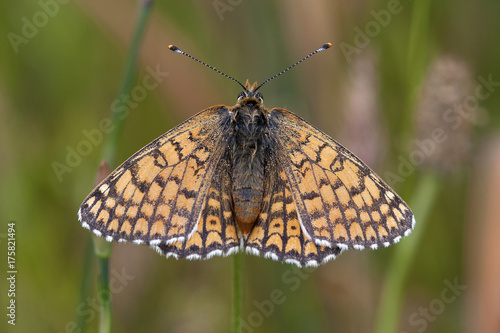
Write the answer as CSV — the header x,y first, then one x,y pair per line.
x,y
248,151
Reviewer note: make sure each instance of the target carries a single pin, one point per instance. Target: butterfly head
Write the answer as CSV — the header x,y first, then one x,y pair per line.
x,y
250,94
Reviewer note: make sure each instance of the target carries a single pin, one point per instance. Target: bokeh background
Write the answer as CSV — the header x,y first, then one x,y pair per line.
x,y
383,90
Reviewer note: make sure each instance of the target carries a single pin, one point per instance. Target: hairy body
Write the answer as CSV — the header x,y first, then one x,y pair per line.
x,y
248,150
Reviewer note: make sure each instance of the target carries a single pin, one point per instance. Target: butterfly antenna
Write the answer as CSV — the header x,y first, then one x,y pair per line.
x,y
176,49
324,47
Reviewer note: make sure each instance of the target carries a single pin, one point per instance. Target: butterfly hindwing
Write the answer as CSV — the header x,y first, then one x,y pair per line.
x,y
216,233
277,232
340,201
156,196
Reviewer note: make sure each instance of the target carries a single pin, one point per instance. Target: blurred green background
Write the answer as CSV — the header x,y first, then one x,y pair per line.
x,y
61,63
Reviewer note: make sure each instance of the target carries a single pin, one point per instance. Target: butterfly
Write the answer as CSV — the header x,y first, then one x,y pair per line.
x,y
247,178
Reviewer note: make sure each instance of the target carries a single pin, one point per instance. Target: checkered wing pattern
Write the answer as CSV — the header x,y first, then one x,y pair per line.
x,y
278,233
216,233
340,202
161,194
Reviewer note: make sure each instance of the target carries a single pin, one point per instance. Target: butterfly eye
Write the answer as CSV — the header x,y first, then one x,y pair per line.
x,y
258,95
241,95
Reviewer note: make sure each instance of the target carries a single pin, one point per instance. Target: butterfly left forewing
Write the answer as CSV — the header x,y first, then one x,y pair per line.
x,y
340,201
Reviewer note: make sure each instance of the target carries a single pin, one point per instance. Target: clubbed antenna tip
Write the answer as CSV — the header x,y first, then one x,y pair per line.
x,y
322,48
177,50
174,48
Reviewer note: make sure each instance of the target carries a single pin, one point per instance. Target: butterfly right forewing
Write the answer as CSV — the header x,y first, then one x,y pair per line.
x,y
157,195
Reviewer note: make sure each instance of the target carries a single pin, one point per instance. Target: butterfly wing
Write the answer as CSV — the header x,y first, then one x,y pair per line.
x,y
216,233
340,201
158,195
277,233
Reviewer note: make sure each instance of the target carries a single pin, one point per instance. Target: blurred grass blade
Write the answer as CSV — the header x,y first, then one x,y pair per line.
x,y
111,141
388,316
418,50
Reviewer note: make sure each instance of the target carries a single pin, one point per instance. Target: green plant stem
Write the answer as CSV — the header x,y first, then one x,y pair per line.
x,y
104,295
102,248
387,318
237,293
87,282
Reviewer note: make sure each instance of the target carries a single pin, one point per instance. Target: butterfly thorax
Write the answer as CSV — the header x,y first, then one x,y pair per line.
x,y
248,160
